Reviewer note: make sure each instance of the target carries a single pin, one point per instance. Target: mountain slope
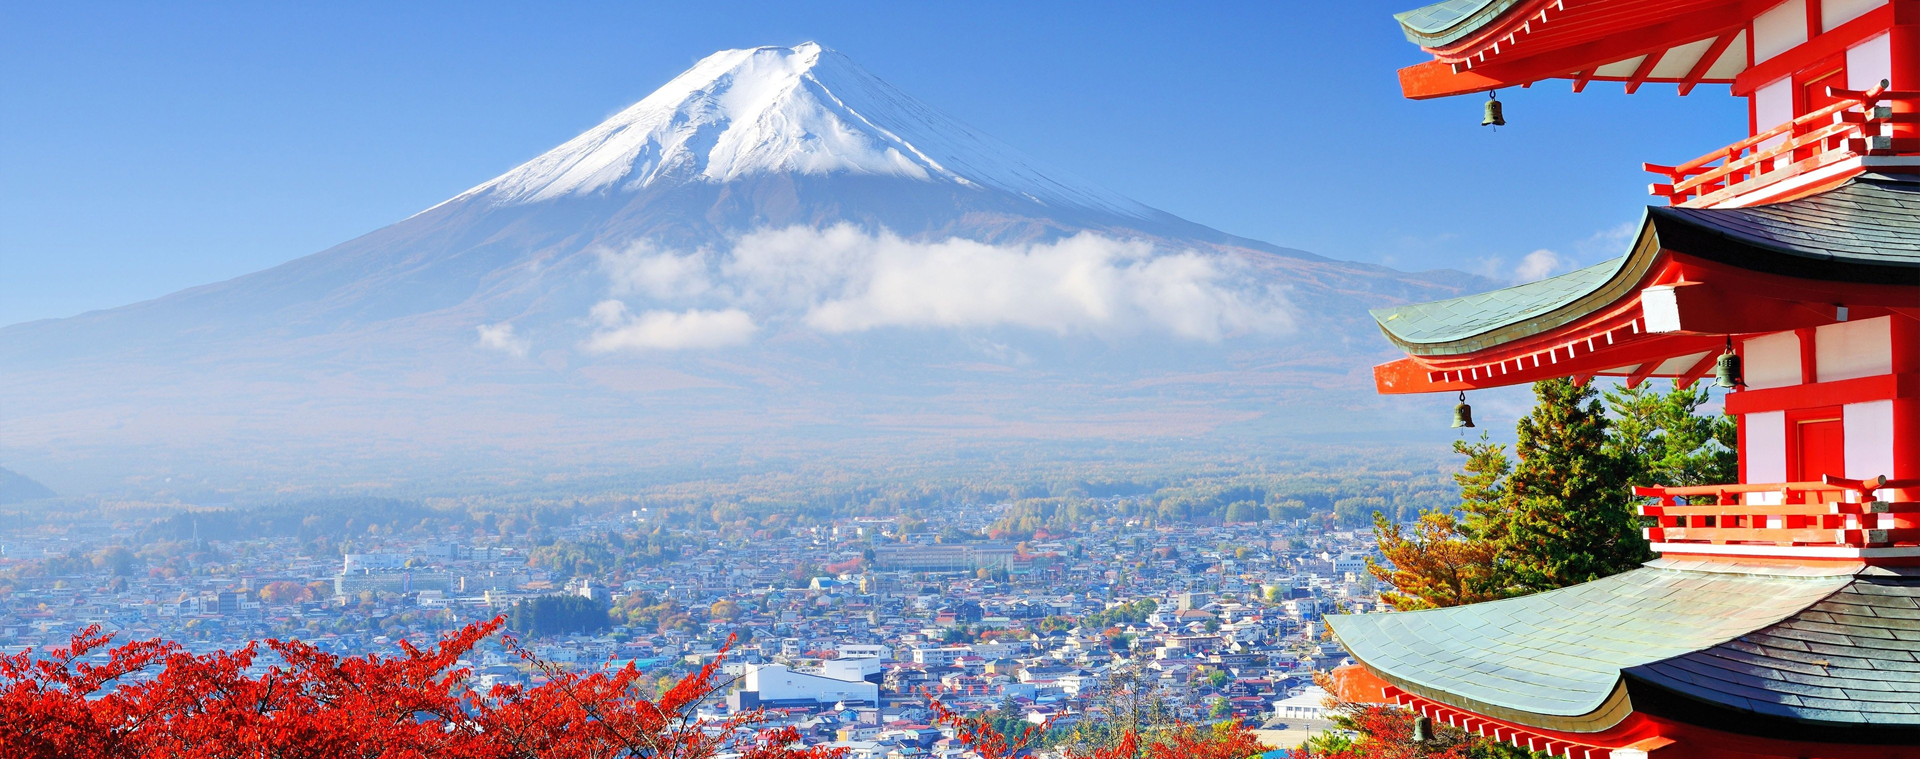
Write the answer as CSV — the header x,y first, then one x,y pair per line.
x,y
16,487
775,254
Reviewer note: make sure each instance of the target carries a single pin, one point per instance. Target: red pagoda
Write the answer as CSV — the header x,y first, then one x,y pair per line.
x,y
1782,618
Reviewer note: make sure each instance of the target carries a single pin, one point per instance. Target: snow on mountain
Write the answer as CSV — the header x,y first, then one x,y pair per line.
x,y
773,110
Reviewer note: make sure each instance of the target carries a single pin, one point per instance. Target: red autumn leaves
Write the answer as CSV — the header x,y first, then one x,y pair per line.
x,y
152,699
1228,740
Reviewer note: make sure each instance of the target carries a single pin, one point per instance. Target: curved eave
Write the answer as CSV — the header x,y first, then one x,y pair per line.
x,y
1556,309
1556,660
1445,23
1613,710
1864,234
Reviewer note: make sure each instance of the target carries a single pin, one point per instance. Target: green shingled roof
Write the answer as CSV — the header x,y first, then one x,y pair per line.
x,y
1456,319
1446,22
1555,659
1866,230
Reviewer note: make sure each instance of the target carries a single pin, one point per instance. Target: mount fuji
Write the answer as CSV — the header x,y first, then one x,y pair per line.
x,y
775,257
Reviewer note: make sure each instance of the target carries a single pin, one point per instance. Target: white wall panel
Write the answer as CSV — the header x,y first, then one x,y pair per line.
x,y
1621,68
1836,12
1853,349
1772,360
1773,106
1680,364
1679,60
1869,62
1766,451
1869,430
1779,30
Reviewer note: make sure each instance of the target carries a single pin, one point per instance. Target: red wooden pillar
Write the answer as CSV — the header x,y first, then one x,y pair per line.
x,y
1905,332
1904,39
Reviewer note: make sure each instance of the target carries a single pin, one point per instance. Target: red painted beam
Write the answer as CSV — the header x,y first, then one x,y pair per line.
x,y
1700,67
1823,394
1413,375
1698,370
1707,308
1434,79
1903,37
1626,44
1644,70
1641,373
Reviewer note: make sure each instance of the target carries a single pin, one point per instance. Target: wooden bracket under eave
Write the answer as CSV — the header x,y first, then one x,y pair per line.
x,y
1434,79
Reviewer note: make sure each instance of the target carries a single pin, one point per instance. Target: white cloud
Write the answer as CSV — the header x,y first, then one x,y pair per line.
x,y
1611,242
500,337
1540,265
842,279
666,330
845,280
644,269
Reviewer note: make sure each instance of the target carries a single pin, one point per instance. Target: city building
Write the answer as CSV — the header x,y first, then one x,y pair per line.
x,y
777,685
944,557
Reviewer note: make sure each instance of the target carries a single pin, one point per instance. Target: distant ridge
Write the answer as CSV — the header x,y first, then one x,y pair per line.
x,y
17,488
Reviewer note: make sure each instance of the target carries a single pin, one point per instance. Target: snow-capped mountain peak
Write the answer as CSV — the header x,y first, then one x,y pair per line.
x,y
801,110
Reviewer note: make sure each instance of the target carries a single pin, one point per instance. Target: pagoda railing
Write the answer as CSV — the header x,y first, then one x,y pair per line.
x,y
1832,512
1860,123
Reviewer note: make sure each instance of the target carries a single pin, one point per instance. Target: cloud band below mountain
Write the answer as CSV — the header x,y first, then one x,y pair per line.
x,y
842,279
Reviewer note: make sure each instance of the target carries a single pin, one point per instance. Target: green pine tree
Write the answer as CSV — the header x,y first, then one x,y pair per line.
x,y
1484,505
1572,518
1674,444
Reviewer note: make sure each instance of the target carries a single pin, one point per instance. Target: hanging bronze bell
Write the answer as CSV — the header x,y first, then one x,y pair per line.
x,y
1726,371
1493,116
1422,729
1463,413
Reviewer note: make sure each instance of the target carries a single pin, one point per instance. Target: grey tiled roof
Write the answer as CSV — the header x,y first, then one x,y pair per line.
x,y
1867,230
1554,659
1448,21
1809,650
1872,220
1853,658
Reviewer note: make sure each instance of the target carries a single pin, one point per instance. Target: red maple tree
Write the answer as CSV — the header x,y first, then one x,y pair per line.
x,y
1227,740
153,699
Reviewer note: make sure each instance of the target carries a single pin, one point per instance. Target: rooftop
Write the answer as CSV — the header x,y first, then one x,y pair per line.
x,y
1822,648
1865,230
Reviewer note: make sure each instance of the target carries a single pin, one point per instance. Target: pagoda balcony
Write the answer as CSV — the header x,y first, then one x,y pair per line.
x,y
1860,131
1775,519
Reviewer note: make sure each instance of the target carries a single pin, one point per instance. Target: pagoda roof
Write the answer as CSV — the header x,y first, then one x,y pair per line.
x,y
1447,22
1829,650
1480,45
1481,320
1866,230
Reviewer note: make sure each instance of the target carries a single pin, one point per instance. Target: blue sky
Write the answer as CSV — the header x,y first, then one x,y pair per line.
x,y
145,149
